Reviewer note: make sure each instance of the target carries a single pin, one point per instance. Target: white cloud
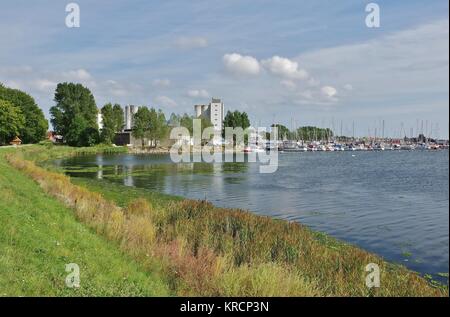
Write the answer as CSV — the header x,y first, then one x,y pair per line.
x,y
406,63
165,101
307,94
12,84
161,83
313,82
329,91
78,74
191,42
198,93
348,87
288,84
16,70
116,89
284,67
111,82
44,85
324,97
241,65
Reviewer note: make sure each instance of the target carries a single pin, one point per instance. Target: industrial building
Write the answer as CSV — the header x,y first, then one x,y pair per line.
x,y
99,119
130,111
214,111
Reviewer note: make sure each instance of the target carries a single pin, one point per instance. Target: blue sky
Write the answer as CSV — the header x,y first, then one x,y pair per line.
x,y
295,62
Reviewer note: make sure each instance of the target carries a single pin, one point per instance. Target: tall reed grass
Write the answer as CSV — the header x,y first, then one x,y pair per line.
x,y
47,150
204,250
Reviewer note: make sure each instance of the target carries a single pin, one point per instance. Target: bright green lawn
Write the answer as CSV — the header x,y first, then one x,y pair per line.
x,y
39,236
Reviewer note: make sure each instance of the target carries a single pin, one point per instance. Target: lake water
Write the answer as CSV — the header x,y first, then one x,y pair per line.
x,y
393,203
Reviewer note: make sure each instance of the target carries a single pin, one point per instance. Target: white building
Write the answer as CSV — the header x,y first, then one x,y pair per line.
x,y
130,111
215,112
99,120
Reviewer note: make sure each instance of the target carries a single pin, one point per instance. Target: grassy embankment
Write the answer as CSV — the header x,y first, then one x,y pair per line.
x,y
39,235
200,249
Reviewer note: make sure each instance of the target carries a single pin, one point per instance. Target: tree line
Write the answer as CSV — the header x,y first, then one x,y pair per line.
x,y
307,133
75,117
150,124
21,117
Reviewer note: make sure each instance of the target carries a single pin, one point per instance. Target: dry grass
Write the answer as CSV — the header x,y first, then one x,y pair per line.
x,y
206,251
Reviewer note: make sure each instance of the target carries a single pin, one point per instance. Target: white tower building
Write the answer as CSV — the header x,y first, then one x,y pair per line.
x,y
130,111
215,112
99,120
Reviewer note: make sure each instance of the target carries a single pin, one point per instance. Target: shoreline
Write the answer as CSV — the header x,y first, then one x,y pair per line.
x,y
313,239
166,151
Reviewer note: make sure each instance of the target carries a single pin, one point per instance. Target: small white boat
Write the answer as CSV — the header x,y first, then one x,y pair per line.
x,y
259,150
321,148
255,149
407,147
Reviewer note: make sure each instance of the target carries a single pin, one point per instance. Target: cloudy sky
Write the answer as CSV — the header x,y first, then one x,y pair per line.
x,y
295,62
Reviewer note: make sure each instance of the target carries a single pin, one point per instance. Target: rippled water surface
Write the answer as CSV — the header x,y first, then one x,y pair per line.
x,y
395,203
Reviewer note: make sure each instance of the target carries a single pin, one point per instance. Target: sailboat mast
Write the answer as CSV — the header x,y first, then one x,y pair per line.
x,y
353,131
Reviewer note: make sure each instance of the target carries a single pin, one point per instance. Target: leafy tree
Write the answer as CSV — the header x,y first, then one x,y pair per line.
x,y
12,121
187,122
162,127
205,123
118,118
90,136
152,132
75,115
81,133
174,120
236,119
35,127
283,131
245,121
112,122
109,124
229,121
150,124
157,126
314,133
141,124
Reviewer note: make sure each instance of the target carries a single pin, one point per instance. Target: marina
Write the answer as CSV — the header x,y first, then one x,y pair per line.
x,y
355,145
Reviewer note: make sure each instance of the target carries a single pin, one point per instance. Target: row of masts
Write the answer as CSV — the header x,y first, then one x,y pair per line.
x,y
423,128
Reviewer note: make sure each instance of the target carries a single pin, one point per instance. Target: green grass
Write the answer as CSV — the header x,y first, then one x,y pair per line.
x,y
46,151
39,236
203,250
116,192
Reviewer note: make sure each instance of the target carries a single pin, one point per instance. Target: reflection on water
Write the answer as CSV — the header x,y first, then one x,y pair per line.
x,y
392,203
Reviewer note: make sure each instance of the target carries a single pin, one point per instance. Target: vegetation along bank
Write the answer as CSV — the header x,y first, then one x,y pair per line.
x,y
184,247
